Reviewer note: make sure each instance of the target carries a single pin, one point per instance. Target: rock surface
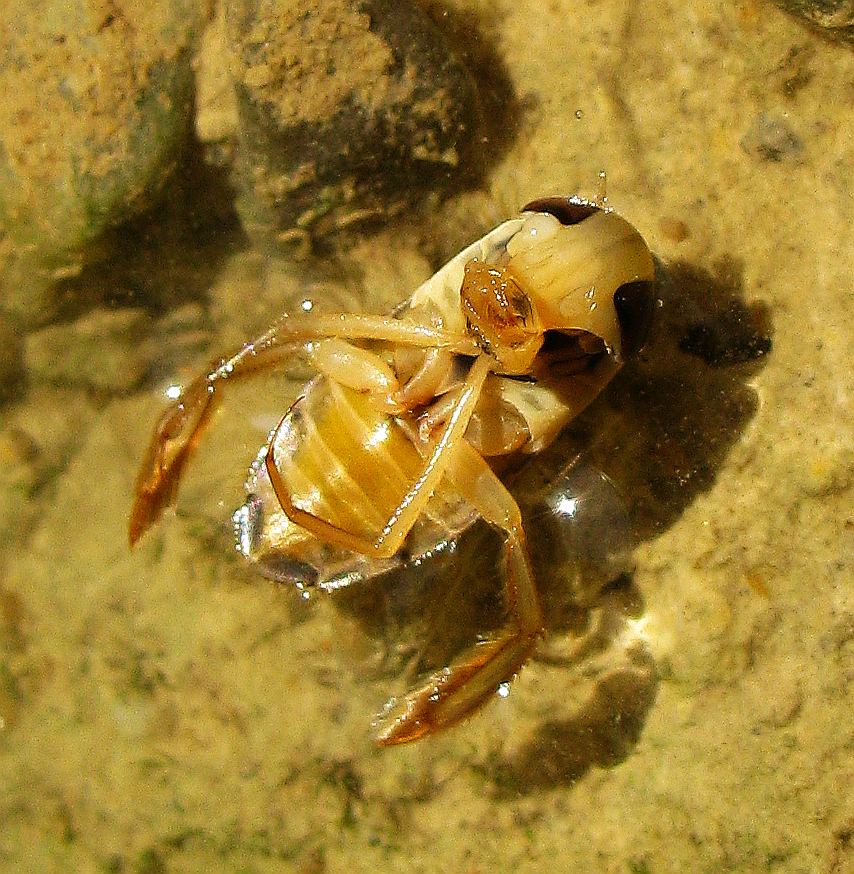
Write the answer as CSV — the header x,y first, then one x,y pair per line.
x,y
165,709
348,110
833,18
96,110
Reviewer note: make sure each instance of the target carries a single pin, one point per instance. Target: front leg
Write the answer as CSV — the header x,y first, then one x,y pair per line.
x,y
179,429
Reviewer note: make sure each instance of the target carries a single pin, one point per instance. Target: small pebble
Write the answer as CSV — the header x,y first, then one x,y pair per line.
x,y
770,138
674,229
242,302
53,421
37,437
181,338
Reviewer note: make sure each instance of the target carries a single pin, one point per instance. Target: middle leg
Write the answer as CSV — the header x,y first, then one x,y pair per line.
x,y
458,690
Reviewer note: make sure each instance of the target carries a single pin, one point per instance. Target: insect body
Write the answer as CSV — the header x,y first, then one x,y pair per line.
x,y
411,415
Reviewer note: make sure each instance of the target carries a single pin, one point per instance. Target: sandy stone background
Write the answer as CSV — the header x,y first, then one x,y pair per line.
x,y
167,709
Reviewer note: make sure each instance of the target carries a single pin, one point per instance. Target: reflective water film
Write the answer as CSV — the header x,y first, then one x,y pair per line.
x,y
646,670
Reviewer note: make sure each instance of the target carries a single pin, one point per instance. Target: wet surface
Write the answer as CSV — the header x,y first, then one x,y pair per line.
x,y
168,708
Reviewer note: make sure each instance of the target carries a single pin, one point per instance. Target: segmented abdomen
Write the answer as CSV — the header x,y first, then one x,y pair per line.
x,y
346,462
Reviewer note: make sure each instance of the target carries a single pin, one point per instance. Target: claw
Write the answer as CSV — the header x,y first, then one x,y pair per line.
x,y
174,440
455,692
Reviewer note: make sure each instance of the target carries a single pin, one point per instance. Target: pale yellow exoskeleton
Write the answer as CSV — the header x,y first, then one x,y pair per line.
x,y
398,437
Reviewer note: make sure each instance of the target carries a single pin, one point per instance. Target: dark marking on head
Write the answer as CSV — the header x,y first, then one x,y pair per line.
x,y
567,210
634,303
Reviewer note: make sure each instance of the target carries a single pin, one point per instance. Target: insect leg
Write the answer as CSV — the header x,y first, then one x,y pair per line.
x,y
182,423
359,326
438,459
458,690
359,369
423,385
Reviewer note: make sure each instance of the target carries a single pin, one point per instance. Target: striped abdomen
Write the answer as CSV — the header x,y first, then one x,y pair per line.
x,y
345,462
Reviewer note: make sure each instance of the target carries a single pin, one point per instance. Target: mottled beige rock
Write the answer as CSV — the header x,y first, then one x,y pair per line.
x,y
348,113
168,709
97,108
102,349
